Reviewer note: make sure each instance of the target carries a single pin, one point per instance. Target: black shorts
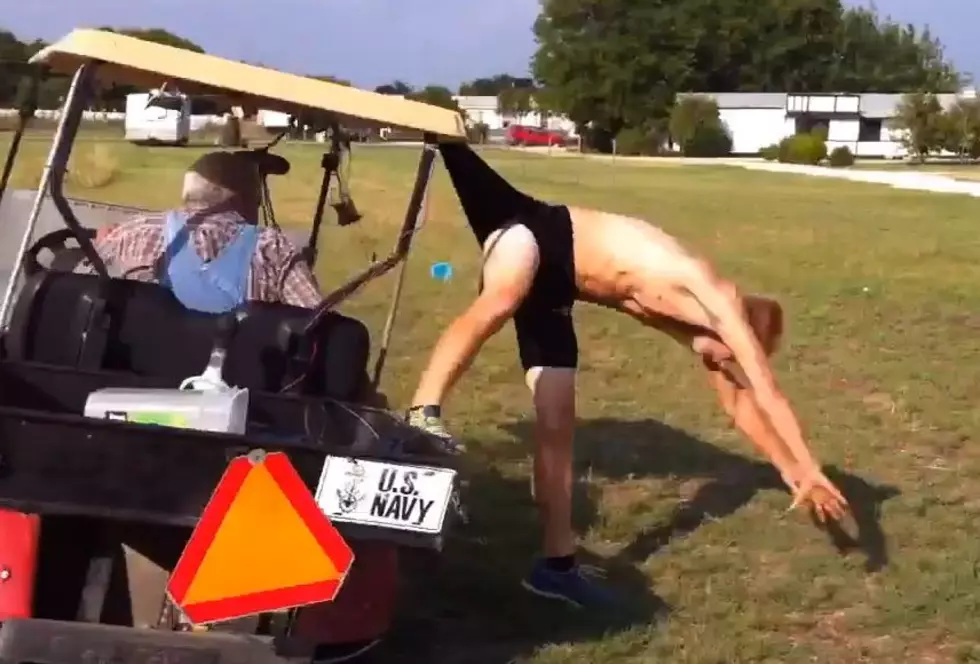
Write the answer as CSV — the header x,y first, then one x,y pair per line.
x,y
545,334
545,330
546,338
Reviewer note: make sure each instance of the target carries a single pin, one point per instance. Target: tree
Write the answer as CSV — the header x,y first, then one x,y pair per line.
x,y
691,113
961,128
765,46
334,79
113,98
13,53
396,88
437,95
492,87
597,59
158,36
545,102
879,55
620,63
696,126
920,119
517,102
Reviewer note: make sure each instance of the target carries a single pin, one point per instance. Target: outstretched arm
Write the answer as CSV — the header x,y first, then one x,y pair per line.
x,y
806,482
748,418
749,383
725,314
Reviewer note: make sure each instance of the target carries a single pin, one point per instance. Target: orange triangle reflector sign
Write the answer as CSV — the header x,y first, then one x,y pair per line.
x,y
262,544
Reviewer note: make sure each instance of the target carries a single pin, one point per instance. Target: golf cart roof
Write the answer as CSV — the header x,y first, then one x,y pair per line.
x,y
127,60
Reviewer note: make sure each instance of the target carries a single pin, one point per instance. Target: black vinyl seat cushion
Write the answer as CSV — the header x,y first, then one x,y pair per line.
x,y
146,331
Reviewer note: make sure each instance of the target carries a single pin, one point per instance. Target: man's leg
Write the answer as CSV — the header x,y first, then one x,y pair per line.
x,y
553,392
510,264
548,346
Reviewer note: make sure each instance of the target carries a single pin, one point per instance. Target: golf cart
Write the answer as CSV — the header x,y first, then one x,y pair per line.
x,y
94,511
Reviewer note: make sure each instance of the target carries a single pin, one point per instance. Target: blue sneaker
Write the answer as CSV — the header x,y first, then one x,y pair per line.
x,y
574,586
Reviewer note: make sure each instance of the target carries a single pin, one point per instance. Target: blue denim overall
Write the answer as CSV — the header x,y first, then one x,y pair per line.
x,y
216,286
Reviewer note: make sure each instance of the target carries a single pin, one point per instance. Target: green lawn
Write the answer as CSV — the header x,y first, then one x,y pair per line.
x,y
882,290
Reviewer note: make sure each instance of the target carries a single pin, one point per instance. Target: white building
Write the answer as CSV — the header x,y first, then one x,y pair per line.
x,y
484,109
860,122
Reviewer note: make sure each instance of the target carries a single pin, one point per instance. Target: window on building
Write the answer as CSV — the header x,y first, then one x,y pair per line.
x,y
869,130
806,124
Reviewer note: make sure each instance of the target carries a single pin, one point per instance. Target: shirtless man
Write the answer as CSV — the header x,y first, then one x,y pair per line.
x,y
538,260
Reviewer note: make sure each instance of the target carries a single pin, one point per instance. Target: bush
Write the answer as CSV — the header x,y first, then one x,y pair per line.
x,y
637,141
478,133
841,157
231,133
770,152
820,131
708,141
921,123
696,126
784,150
94,168
809,149
691,113
961,129
596,139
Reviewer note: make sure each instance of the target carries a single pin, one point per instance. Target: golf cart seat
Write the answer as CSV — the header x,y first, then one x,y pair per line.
x,y
146,331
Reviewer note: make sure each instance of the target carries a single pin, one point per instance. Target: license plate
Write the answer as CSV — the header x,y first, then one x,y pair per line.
x,y
389,495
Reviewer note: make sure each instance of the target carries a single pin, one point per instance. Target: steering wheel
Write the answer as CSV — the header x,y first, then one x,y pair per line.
x,y
63,257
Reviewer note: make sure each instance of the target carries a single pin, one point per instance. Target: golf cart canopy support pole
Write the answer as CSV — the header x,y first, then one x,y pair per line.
x,y
416,217
51,180
402,246
26,106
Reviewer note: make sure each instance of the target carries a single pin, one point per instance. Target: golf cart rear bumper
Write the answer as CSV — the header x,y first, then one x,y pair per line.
x,y
56,642
55,463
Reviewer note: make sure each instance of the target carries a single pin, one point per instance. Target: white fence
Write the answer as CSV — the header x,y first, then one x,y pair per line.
x,y
936,182
197,121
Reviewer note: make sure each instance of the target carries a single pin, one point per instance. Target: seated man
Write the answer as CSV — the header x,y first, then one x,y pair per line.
x,y
210,251
538,260
213,255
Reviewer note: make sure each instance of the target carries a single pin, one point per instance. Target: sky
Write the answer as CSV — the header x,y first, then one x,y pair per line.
x,y
371,42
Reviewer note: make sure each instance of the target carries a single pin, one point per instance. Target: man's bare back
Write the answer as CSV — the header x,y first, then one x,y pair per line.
x,y
634,267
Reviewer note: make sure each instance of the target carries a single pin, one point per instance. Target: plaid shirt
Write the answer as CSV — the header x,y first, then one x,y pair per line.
x,y
132,250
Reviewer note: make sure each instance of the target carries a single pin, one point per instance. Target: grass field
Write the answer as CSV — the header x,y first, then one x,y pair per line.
x,y
882,290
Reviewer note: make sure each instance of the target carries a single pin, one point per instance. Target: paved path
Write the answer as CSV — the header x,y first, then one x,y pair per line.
x,y
932,181
919,180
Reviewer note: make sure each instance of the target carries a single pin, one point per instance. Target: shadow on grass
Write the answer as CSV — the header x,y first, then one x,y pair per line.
x,y
617,449
467,606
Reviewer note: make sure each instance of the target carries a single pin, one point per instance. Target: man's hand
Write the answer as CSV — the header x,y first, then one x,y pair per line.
x,y
815,490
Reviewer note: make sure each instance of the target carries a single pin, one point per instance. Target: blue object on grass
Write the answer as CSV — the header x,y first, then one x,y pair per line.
x,y
441,271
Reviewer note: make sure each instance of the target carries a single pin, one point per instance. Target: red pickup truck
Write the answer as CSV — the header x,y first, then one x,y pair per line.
x,y
523,135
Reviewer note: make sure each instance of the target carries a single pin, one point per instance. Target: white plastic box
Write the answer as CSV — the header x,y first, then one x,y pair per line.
x,y
222,410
